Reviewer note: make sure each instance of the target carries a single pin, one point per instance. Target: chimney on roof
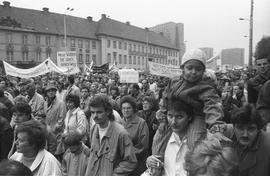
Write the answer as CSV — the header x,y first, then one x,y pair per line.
x,y
6,4
45,9
128,23
89,18
103,16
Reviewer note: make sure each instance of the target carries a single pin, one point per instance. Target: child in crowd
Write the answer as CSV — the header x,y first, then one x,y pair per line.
x,y
75,158
195,90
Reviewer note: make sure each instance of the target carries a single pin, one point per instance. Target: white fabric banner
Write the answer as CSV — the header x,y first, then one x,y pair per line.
x,y
164,70
128,76
41,69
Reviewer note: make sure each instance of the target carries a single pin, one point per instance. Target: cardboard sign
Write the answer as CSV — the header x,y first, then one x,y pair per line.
x,y
66,59
128,76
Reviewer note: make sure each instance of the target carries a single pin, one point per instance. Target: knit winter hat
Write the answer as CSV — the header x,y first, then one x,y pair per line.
x,y
194,54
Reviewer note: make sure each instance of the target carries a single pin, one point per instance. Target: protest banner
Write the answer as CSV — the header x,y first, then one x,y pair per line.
x,y
66,59
41,69
128,76
164,70
101,69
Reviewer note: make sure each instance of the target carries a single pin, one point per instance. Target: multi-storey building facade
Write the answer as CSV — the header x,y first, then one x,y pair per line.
x,y
174,32
233,57
27,37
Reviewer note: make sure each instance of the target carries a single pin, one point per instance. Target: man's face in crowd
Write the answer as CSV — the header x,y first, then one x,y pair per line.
x,y
193,71
123,90
85,93
19,117
113,82
51,93
178,120
246,133
23,91
99,115
262,64
144,84
30,89
113,93
103,91
134,91
93,87
236,90
2,85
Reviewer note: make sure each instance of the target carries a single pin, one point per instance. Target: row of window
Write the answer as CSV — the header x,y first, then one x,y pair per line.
x,y
25,55
141,48
25,40
81,43
135,60
87,58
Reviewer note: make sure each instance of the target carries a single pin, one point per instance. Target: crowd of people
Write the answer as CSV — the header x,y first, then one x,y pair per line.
x,y
197,124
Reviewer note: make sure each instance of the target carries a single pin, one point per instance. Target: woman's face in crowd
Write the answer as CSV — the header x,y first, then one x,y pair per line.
x,y
193,71
127,110
22,143
146,106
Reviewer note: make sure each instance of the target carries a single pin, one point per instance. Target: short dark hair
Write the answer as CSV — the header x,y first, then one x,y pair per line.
x,y
22,108
73,98
115,88
15,168
71,79
136,86
175,103
36,132
263,49
85,87
102,100
72,138
131,100
247,115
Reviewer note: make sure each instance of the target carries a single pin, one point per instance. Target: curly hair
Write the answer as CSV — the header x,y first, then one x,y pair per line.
x,y
263,49
211,157
36,132
101,100
130,100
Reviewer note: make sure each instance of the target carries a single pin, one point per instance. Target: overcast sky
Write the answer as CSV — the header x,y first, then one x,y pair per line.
x,y
207,23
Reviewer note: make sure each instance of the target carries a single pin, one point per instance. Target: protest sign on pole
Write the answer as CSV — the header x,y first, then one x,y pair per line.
x,y
164,70
67,59
128,76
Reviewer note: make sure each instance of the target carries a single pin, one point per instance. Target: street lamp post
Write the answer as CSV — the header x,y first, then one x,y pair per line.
x,y
65,27
65,30
250,53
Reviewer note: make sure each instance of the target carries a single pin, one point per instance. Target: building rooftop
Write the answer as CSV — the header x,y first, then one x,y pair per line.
x,y
47,22
110,27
